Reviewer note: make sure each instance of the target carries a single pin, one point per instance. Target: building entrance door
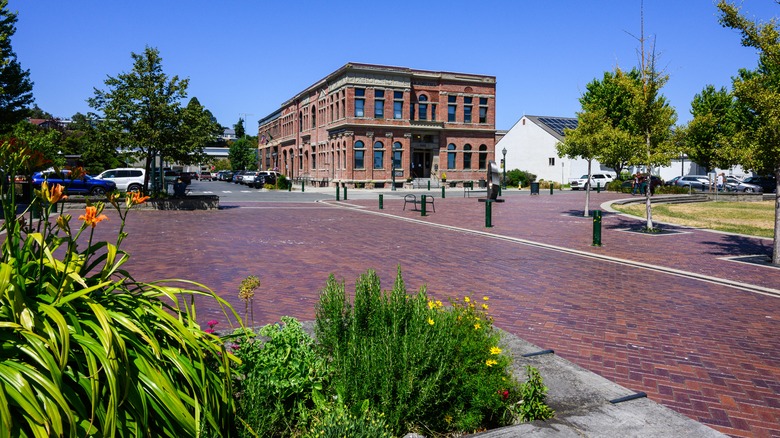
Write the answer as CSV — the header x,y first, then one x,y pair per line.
x,y
421,164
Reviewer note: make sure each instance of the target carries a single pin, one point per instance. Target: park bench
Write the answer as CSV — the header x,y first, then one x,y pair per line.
x,y
412,199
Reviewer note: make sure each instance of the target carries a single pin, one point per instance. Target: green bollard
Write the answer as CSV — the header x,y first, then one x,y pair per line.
x,y
429,185
303,185
345,192
551,188
499,190
422,206
597,228
442,193
598,187
289,186
381,202
488,213
338,192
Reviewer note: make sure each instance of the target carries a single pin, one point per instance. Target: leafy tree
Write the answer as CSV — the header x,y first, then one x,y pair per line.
x,y
239,128
200,129
142,114
757,140
651,119
15,85
37,113
704,137
41,141
243,154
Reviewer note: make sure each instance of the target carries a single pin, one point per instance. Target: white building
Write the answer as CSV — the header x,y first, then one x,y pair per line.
x,y
530,146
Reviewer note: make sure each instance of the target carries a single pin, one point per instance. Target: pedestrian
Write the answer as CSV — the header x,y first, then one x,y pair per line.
x,y
635,184
722,181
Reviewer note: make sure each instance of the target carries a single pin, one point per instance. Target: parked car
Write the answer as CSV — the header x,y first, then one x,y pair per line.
x,y
225,175
655,182
696,182
596,180
126,179
83,185
265,177
742,186
238,175
767,183
206,176
672,181
248,178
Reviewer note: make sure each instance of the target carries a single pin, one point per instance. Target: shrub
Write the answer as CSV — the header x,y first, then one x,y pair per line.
x,y
86,349
338,422
515,177
534,394
282,379
424,366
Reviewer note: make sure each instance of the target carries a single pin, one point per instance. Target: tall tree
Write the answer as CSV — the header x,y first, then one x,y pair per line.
x,y
199,129
15,85
239,128
243,154
704,137
757,140
142,113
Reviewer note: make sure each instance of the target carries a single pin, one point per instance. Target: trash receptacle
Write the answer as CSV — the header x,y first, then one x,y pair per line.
x,y
482,183
534,188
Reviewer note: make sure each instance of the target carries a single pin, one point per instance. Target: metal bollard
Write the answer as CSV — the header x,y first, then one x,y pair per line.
x,y
597,228
338,192
303,185
598,187
381,202
442,193
289,186
488,213
345,192
429,185
422,205
551,188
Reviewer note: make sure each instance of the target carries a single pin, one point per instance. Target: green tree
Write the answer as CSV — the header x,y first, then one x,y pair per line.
x,y
142,114
651,119
704,137
243,154
200,129
757,140
239,128
15,85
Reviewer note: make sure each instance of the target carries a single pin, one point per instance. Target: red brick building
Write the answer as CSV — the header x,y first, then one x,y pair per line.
x,y
362,122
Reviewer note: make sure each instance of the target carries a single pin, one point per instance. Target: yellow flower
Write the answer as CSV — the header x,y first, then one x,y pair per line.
x,y
448,418
490,362
495,350
92,216
439,304
431,304
485,306
430,321
467,299
485,298
477,326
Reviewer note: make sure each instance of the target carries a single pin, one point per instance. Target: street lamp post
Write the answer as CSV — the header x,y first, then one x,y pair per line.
x,y
503,151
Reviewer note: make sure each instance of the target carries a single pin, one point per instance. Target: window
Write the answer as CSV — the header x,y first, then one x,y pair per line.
x,y
452,108
451,156
313,118
397,154
423,107
467,114
482,157
551,161
483,114
379,155
467,156
379,104
398,104
359,101
360,154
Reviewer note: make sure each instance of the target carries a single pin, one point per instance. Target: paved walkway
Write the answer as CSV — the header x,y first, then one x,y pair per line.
x,y
665,314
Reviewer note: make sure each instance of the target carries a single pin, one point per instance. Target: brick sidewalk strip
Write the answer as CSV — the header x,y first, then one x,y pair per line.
x,y
705,345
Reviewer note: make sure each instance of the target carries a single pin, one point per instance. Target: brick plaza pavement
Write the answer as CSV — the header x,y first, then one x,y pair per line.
x,y
705,345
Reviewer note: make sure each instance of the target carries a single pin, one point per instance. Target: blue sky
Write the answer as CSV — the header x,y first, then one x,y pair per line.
x,y
249,56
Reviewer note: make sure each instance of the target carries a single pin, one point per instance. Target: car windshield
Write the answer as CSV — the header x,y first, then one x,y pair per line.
x,y
584,177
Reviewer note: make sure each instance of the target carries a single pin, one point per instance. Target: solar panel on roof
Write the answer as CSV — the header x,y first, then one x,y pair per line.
x,y
558,124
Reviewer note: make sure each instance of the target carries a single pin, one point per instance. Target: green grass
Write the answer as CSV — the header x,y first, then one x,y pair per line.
x,y
750,218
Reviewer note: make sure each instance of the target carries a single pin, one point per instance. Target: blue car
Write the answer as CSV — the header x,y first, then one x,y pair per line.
x,y
83,185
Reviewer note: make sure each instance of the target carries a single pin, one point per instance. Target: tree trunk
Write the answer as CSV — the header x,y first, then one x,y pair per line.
x,y
648,210
776,241
587,192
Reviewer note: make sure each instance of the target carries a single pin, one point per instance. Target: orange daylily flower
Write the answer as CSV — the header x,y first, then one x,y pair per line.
x,y
53,194
138,198
91,216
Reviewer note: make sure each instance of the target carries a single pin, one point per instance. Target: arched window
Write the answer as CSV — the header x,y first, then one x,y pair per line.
x,y
451,156
379,155
360,154
467,156
482,157
397,154
422,105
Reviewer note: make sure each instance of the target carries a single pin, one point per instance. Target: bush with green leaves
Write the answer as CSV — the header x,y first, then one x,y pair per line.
x,y
337,422
427,367
282,379
533,404
516,177
87,350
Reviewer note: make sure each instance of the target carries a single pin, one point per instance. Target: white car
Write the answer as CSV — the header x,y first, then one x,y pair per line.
x,y
596,180
128,179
